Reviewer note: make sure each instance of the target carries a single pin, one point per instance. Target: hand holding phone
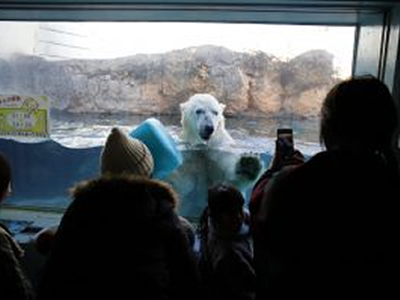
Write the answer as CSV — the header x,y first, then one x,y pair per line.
x,y
285,143
285,152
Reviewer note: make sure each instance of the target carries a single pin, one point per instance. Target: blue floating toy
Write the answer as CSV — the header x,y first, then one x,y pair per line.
x,y
165,153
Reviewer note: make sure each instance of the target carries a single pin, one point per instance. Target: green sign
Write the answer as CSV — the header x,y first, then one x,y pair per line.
x,y
24,116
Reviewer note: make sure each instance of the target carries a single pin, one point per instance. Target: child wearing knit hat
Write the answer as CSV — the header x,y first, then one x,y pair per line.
x,y
121,221
123,154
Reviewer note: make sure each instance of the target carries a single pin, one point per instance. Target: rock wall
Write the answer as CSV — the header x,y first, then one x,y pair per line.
x,y
248,83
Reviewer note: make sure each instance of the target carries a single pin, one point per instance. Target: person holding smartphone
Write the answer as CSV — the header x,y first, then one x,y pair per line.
x,y
327,229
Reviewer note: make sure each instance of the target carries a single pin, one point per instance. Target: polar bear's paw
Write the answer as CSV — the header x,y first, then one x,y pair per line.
x,y
249,166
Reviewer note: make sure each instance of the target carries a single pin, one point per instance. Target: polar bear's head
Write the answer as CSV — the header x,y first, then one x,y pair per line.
x,y
203,121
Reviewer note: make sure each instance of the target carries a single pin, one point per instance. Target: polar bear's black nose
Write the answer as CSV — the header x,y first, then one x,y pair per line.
x,y
207,132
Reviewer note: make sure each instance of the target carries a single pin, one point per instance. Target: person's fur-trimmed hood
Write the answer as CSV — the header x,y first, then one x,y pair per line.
x,y
116,226
142,197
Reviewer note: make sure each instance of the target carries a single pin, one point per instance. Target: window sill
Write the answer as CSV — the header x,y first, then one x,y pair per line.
x,y
29,222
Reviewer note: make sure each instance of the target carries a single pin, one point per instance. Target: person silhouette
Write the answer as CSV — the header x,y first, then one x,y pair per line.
x,y
121,234
327,227
226,253
14,284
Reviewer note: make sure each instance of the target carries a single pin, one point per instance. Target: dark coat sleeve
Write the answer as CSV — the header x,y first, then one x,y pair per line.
x,y
236,278
13,282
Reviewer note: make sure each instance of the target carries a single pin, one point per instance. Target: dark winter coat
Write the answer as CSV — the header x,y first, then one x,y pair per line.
x,y
330,228
226,264
14,285
120,239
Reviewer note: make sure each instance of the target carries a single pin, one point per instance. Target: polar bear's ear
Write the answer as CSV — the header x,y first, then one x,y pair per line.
x,y
222,106
183,106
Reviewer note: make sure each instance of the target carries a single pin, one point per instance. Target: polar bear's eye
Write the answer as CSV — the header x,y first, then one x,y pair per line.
x,y
199,111
215,113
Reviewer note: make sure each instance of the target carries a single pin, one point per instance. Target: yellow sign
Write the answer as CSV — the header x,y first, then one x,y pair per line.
x,y
24,116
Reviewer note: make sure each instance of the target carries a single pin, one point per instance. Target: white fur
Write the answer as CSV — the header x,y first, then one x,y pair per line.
x,y
203,121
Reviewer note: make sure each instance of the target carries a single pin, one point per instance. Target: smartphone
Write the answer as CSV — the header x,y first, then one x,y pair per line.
x,y
285,141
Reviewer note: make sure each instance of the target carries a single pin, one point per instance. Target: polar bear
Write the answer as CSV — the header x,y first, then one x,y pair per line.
x,y
203,121
208,155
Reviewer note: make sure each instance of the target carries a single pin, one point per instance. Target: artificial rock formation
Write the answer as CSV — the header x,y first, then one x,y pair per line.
x,y
248,83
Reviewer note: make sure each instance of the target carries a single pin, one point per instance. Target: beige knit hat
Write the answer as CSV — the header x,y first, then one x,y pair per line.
x,y
124,154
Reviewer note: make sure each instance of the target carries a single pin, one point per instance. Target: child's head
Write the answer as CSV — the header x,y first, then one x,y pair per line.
x,y
225,207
